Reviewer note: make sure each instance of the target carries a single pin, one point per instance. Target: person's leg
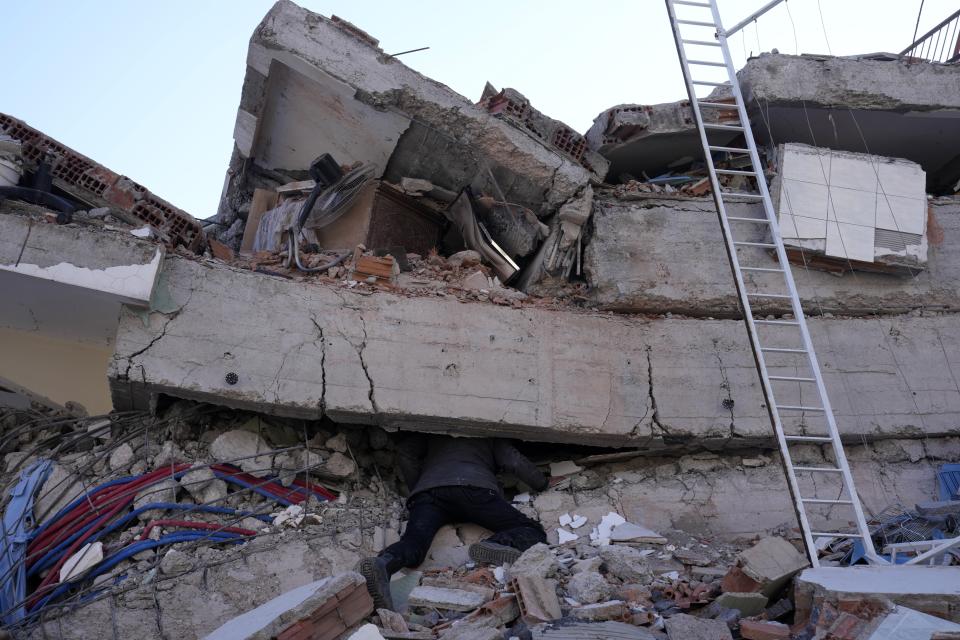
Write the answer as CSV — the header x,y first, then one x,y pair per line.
x,y
426,517
513,532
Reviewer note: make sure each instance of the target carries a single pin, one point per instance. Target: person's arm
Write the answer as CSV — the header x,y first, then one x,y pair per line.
x,y
410,453
507,457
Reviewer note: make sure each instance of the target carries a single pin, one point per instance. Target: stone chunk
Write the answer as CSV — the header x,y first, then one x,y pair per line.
x,y
764,630
537,597
610,610
687,627
121,457
175,562
626,563
772,562
392,621
588,587
587,564
446,599
338,466
748,604
465,258
240,447
163,491
538,560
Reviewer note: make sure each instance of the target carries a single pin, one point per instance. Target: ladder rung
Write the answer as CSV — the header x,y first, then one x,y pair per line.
x,y
754,220
708,83
718,105
689,3
702,43
750,196
809,438
824,501
707,63
788,323
834,534
735,172
782,350
791,379
756,244
723,127
697,23
770,295
764,269
791,407
730,149
819,469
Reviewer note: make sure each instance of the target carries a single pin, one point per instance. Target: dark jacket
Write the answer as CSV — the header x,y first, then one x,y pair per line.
x,y
442,461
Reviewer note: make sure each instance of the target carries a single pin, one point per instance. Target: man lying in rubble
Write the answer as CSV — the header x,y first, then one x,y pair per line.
x,y
454,480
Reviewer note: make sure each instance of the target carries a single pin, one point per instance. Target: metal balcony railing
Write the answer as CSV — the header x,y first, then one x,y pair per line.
x,y
940,44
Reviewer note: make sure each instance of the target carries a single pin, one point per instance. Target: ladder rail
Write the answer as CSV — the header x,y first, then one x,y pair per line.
x,y
730,245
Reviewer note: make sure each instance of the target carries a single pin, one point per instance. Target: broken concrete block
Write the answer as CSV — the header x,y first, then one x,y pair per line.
x,y
163,491
748,604
170,453
538,560
564,468
772,562
121,457
583,630
537,598
338,466
321,610
588,587
240,447
415,186
337,443
475,281
175,562
392,621
906,624
626,563
687,627
764,630
587,564
446,599
610,610
939,508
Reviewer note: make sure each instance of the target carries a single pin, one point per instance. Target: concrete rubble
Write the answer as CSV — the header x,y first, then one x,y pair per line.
x,y
215,404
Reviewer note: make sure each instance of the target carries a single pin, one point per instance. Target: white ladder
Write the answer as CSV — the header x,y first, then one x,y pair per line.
x,y
782,344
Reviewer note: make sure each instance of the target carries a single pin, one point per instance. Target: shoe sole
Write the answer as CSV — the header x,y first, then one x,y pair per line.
x,y
375,584
493,554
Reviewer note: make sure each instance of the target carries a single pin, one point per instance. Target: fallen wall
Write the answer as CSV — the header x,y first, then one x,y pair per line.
x,y
428,364
314,85
658,255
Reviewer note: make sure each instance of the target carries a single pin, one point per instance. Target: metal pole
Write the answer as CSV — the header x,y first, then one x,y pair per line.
x,y
753,16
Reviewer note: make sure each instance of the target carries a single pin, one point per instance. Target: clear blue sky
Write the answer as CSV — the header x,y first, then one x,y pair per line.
x,y
150,89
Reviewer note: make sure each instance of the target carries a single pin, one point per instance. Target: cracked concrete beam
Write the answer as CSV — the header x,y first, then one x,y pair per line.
x,y
658,256
566,376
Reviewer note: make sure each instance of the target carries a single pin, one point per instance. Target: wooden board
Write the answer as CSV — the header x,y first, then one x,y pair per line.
x,y
263,201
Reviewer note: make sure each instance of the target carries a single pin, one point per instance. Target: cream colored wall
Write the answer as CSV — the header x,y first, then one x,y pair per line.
x,y
57,369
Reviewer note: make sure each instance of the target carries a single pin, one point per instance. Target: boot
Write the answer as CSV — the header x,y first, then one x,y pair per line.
x,y
374,571
493,553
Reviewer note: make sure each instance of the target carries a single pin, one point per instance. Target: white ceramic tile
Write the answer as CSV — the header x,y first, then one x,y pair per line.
x,y
852,206
897,213
901,179
807,205
850,241
805,164
853,173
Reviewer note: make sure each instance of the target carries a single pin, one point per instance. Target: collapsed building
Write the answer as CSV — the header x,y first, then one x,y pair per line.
x,y
389,256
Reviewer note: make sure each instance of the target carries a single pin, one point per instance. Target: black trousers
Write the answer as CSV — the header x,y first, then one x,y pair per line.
x,y
433,508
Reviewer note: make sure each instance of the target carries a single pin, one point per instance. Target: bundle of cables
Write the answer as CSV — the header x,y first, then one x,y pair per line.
x,y
104,510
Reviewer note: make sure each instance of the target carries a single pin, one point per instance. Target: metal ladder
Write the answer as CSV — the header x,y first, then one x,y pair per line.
x,y
784,344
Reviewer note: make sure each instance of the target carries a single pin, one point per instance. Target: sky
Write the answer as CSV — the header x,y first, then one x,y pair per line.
x,y
150,89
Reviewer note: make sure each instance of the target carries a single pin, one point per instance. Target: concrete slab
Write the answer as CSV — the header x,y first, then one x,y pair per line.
x,y
305,349
905,110
659,255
